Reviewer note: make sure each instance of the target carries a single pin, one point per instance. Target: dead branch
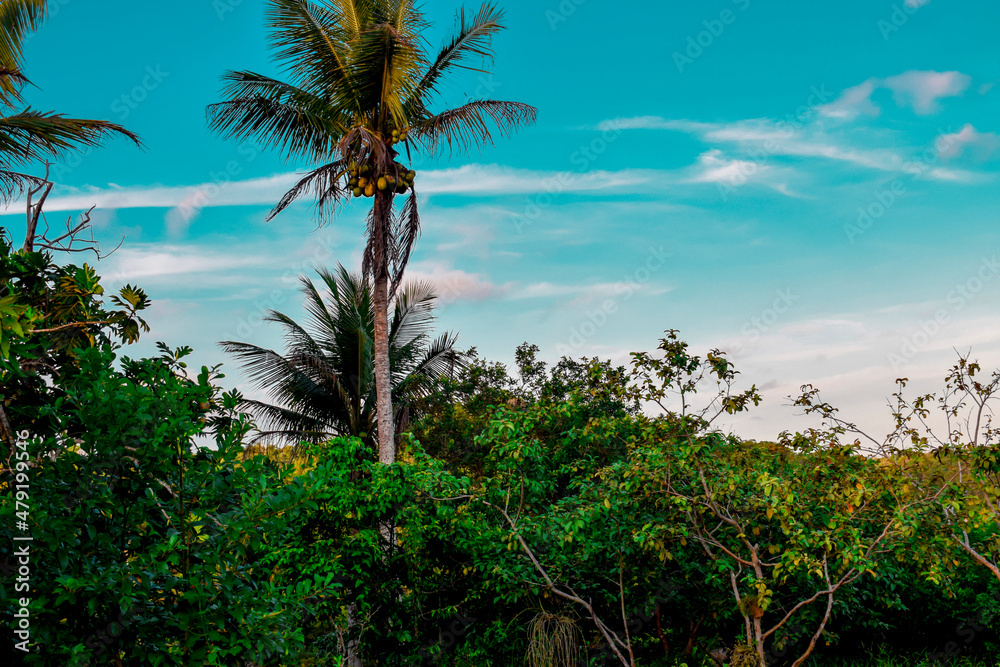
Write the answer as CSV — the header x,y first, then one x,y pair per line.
x,y
66,241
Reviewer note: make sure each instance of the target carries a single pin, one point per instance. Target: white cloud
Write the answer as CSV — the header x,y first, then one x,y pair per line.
x,y
853,102
141,262
952,145
637,123
846,357
453,285
922,90
919,90
714,168
768,138
954,175
471,180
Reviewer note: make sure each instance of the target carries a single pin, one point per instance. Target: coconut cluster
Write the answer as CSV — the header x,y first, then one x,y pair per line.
x,y
398,136
365,181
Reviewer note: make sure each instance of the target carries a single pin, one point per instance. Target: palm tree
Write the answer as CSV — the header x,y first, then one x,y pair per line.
x,y
27,135
323,385
359,84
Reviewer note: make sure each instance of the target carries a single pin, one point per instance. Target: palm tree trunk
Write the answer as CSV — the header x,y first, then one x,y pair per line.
x,y
383,379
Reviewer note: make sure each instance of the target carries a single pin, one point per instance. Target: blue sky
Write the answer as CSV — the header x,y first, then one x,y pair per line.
x,y
810,186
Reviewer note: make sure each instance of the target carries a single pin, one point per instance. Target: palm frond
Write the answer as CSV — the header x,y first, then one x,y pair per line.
x,y
302,381
472,39
17,19
378,250
326,187
11,83
405,233
354,15
314,41
13,184
277,113
387,67
413,314
324,382
362,145
439,359
469,125
35,135
286,426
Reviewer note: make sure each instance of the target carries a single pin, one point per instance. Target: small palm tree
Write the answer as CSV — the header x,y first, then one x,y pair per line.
x,y
323,386
359,85
27,135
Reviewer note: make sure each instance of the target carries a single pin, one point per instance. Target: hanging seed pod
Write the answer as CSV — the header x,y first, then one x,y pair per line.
x,y
357,192
370,190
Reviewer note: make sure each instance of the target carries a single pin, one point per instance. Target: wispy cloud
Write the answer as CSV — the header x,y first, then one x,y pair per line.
x,y
143,262
853,102
762,139
453,285
919,90
713,167
469,180
767,137
981,144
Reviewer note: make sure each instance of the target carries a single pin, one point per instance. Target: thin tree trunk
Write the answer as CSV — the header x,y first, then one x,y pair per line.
x,y
34,211
6,432
759,636
351,656
383,379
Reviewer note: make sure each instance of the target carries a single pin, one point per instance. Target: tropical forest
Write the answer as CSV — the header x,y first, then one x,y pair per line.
x,y
343,333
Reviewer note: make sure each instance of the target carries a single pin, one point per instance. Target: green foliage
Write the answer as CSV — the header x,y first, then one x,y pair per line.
x,y
534,516
131,520
47,313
